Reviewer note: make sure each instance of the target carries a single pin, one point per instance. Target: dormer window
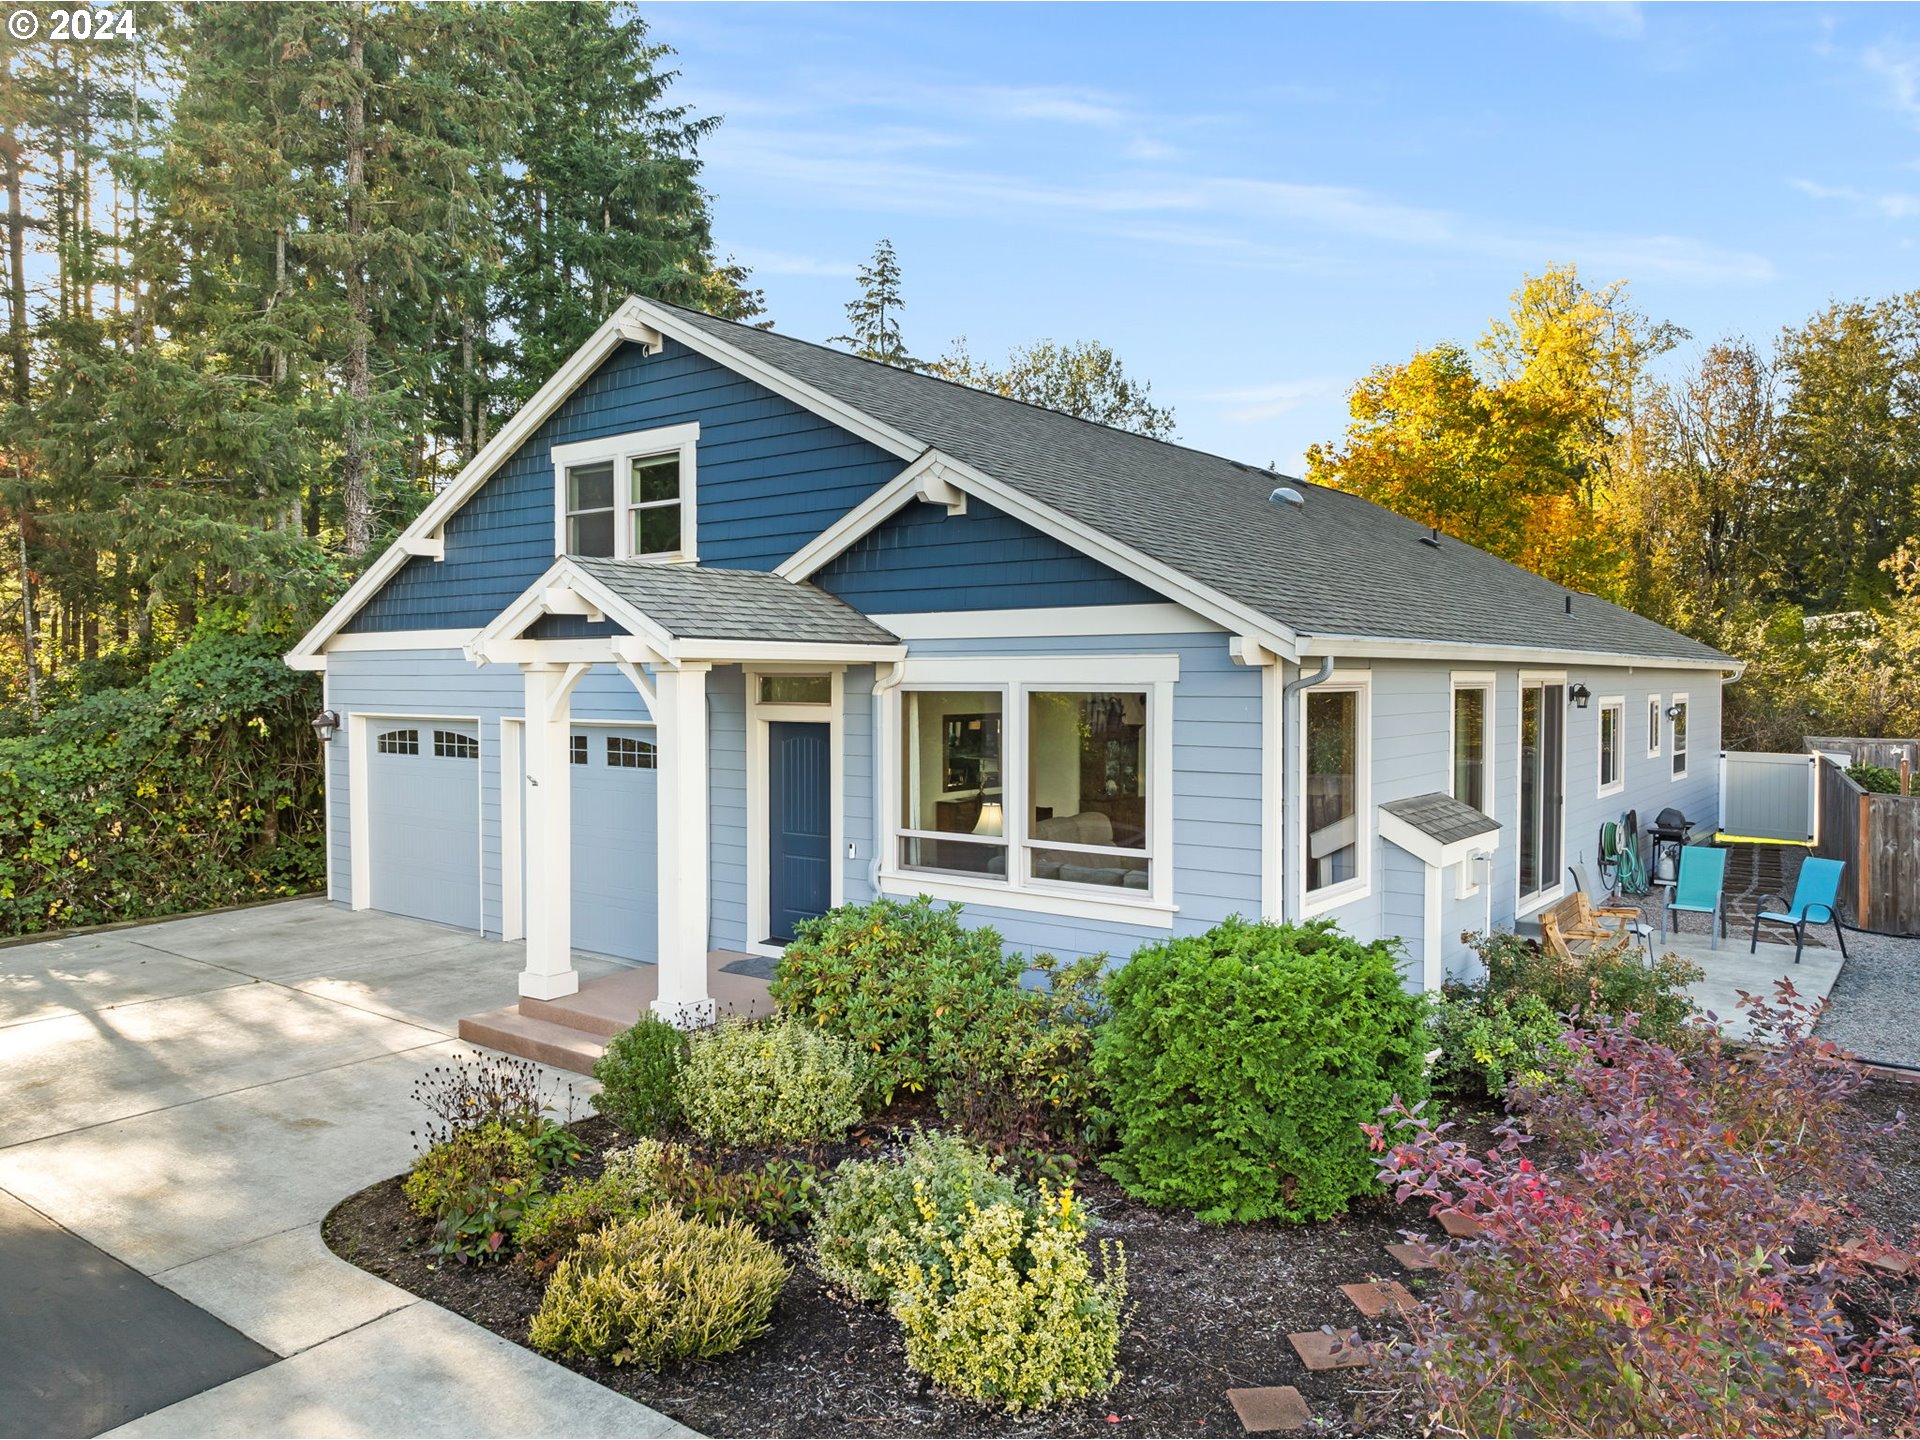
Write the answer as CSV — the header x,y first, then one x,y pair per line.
x,y
627,496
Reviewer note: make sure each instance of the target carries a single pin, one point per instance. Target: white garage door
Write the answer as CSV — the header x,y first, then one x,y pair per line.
x,y
615,777
423,803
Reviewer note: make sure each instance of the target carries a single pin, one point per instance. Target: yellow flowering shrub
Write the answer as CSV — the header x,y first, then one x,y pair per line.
x,y
1012,1314
660,1287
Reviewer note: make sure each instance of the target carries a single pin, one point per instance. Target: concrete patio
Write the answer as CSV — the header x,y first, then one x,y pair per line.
x,y
191,1099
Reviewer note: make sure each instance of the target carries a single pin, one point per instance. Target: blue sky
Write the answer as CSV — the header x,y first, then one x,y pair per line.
x,y
1256,204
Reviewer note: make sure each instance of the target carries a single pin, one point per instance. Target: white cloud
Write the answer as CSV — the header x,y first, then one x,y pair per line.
x,y
1615,19
1898,67
1892,204
1267,402
780,262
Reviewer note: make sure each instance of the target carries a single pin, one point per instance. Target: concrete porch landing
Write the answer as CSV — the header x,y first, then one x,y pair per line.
x,y
572,1032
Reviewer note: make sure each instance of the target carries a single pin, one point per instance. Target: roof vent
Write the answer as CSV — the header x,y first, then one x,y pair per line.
x,y
1287,495
1432,537
1569,604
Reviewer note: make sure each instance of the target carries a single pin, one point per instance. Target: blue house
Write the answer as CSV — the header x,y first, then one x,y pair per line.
x,y
725,629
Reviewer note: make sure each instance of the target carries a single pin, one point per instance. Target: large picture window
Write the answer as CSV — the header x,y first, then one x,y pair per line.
x,y
628,496
1086,783
953,803
1046,781
1333,788
1543,706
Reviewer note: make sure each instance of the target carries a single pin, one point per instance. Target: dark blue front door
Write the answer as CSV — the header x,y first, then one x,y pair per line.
x,y
799,830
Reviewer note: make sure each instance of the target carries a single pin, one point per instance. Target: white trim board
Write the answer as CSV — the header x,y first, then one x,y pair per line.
x,y
1064,621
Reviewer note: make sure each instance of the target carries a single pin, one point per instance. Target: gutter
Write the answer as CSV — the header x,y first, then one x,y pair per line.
x,y
1289,800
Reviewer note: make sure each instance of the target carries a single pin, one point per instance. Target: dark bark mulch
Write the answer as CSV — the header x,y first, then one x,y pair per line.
x,y
1212,1308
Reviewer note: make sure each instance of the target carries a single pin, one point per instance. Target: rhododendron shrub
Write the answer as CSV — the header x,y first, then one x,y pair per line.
x,y
1678,1275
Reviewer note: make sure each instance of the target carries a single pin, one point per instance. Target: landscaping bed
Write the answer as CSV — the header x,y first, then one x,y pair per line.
x,y
1213,1307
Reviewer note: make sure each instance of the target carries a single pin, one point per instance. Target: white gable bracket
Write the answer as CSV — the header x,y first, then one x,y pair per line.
x,y
431,545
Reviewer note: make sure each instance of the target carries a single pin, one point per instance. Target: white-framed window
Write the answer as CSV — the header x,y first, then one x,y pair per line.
x,y
628,496
398,742
1679,709
625,753
1336,763
1471,748
1653,727
1035,781
453,745
1613,744
1542,816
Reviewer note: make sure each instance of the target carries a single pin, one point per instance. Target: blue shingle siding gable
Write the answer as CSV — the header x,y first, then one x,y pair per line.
x,y
771,476
923,559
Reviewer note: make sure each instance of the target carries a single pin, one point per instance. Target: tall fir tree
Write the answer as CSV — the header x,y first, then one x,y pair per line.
x,y
874,318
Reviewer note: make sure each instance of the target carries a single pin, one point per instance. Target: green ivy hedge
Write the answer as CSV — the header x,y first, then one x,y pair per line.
x,y
198,785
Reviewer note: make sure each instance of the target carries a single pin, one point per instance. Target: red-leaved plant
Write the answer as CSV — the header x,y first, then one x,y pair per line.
x,y
1679,1277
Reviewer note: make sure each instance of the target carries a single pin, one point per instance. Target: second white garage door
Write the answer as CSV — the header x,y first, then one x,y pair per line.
x,y
615,776
423,819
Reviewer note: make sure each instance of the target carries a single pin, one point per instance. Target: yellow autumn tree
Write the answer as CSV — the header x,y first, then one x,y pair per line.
x,y
1517,451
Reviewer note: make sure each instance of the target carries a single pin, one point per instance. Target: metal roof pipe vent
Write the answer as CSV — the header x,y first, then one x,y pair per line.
x,y
1288,496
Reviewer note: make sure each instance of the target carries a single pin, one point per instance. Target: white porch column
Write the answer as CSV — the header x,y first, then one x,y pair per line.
x,y
549,972
680,719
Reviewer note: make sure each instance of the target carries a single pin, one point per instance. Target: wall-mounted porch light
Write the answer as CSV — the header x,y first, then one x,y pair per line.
x,y
1579,695
325,724
1674,712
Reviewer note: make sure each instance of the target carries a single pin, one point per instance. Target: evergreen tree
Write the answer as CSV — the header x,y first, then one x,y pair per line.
x,y
874,318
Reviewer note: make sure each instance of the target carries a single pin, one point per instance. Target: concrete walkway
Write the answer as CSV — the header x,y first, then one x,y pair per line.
x,y
192,1097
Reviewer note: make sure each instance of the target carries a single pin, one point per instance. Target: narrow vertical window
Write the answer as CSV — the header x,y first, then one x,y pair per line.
x,y
1470,746
1680,708
1653,726
1613,746
1333,788
1542,785
590,509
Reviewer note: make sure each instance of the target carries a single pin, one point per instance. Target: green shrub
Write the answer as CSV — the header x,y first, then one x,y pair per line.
x,y
777,1198
637,1075
1240,1065
900,979
554,1224
1612,980
660,1287
1012,1315
1020,1071
747,1083
195,786
476,1188
1875,779
879,1214
1487,1043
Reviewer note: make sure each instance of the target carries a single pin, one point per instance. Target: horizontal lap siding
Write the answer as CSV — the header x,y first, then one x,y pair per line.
x,y
769,477
1216,793
727,817
858,782
1411,755
921,559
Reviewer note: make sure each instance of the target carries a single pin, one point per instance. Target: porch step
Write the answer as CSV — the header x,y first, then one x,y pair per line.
x,y
602,1007
561,1046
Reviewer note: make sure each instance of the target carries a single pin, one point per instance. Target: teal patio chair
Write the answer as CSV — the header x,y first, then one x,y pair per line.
x,y
1703,875
1816,896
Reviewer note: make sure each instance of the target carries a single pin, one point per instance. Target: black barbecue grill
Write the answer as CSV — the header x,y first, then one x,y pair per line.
x,y
1668,832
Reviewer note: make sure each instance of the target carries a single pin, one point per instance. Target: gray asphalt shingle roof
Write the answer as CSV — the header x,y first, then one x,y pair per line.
x,y
1338,566
700,604
1441,817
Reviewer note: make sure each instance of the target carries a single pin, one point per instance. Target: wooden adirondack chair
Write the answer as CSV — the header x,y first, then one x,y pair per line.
x,y
1572,928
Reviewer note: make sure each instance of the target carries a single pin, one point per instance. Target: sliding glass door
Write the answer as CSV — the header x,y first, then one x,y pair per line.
x,y
1543,721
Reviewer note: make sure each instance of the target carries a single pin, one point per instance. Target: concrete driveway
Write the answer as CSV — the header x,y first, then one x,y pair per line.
x,y
187,1101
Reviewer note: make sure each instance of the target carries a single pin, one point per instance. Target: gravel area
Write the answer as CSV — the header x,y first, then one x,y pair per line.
x,y
1874,1009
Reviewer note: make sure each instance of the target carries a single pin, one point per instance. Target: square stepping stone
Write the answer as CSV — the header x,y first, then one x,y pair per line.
x,y
1315,1349
1375,1298
1413,1257
1459,1225
1270,1407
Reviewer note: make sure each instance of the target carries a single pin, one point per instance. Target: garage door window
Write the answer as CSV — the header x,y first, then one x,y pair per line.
x,y
625,754
399,742
578,750
452,745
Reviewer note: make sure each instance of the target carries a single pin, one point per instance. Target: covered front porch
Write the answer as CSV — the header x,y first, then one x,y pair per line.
x,y
669,630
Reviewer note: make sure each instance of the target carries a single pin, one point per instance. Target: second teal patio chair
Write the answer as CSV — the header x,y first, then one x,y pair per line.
x,y
1816,901
1703,876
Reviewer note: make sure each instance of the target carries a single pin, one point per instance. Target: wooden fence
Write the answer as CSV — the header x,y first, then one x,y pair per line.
x,y
1879,838
1885,753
